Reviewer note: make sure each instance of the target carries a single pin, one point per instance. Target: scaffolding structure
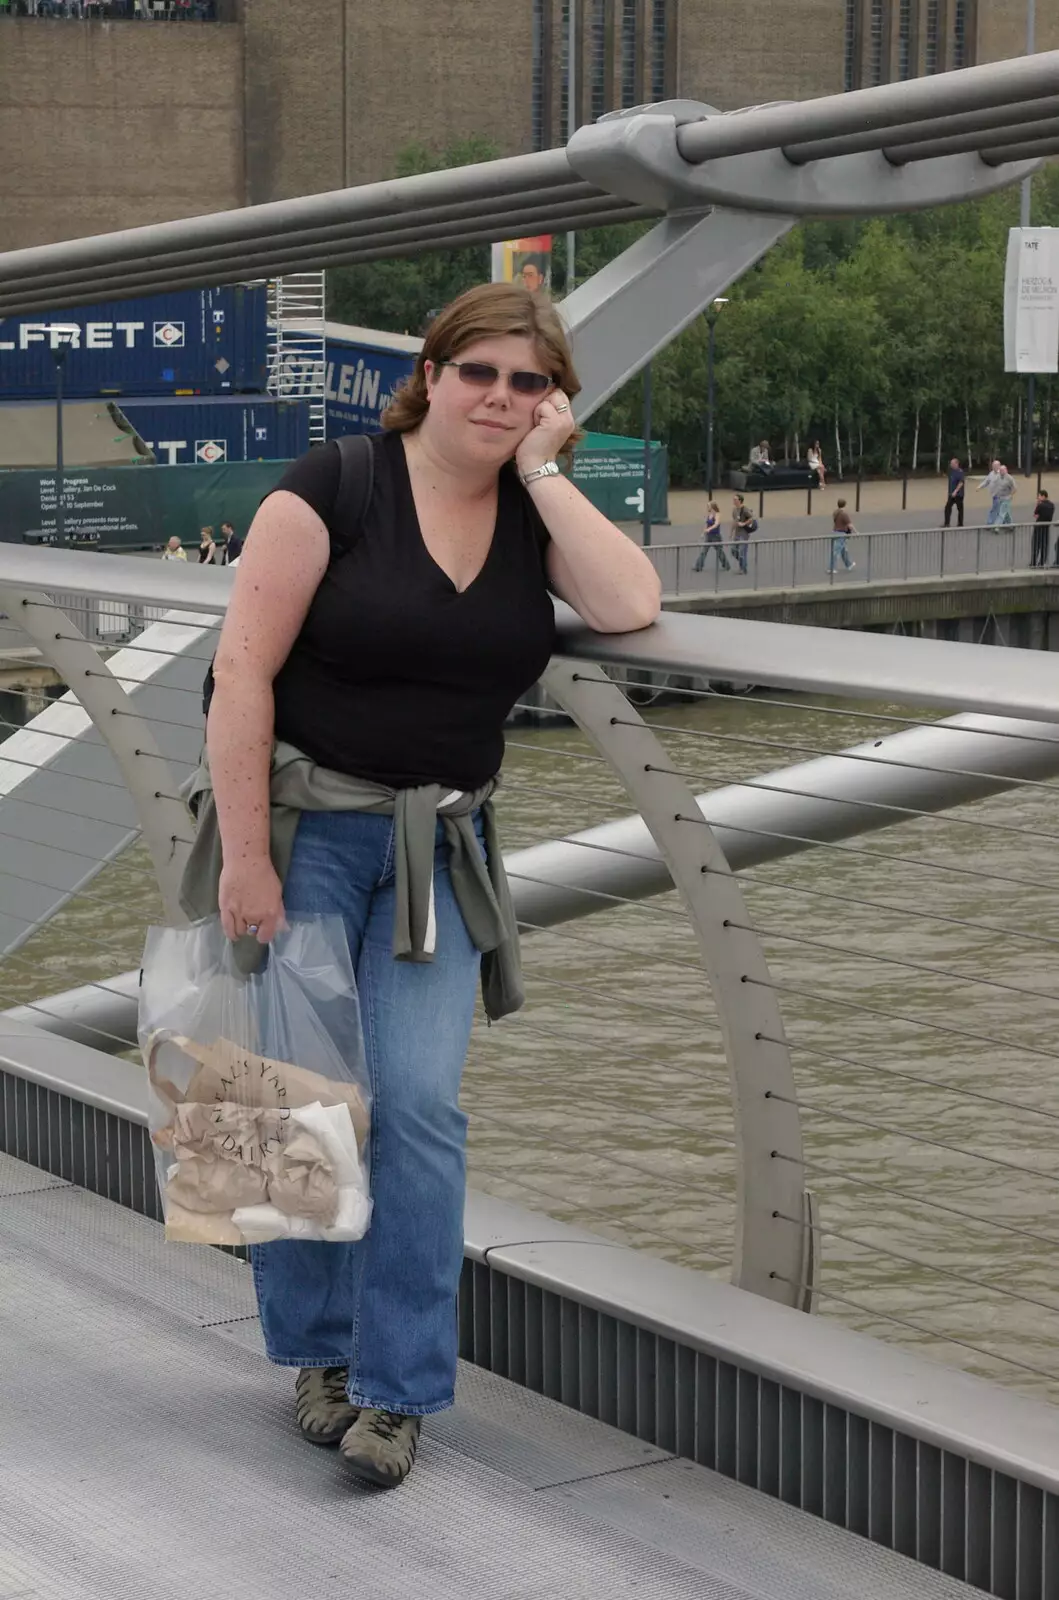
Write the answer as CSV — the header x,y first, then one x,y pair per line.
x,y
296,351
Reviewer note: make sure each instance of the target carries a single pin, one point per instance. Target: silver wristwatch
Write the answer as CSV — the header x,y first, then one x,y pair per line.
x,y
550,469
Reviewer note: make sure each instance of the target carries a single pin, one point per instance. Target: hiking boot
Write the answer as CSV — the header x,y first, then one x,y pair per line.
x,y
324,1411
381,1447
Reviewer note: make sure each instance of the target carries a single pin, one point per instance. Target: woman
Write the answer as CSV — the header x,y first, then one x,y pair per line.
x,y
390,654
815,458
207,547
711,538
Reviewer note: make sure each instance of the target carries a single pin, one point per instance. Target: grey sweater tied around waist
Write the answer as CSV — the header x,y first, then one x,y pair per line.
x,y
297,784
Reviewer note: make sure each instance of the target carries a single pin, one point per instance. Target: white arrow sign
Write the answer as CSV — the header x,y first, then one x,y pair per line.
x,y
635,500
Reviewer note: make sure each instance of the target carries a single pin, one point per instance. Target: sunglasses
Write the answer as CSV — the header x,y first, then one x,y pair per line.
x,y
482,375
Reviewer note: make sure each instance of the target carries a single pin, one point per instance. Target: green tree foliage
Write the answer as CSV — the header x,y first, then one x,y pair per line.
x,y
882,338
400,294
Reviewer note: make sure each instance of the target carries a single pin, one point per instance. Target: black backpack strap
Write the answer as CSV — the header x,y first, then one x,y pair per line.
x,y
356,480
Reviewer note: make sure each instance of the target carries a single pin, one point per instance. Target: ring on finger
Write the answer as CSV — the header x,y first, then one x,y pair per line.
x,y
563,407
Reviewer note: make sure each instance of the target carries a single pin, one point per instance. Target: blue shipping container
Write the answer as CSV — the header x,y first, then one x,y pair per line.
x,y
197,341
363,368
204,432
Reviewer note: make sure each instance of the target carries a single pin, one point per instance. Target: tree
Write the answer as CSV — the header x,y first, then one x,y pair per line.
x,y
399,295
883,337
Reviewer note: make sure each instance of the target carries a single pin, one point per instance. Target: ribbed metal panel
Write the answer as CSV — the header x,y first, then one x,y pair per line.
x,y
932,1505
95,1149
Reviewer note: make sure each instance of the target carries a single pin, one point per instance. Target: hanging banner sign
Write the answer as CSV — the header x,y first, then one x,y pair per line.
x,y
1031,301
525,261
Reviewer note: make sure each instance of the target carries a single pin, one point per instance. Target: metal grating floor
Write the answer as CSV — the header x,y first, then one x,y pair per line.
x,y
149,1451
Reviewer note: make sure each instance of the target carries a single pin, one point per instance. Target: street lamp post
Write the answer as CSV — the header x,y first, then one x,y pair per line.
x,y
60,362
1024,221
571,125
712,313
647,427
62,336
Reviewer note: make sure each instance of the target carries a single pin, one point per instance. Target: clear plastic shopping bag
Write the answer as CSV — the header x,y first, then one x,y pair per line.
x,y
258,1090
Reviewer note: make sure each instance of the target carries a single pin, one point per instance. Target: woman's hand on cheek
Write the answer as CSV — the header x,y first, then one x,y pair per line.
x,y
550,431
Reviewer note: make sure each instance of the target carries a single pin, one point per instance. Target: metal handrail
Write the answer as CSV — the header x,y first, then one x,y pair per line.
x,y
620,157
767,1258
862,533
967,677
826,799
815,560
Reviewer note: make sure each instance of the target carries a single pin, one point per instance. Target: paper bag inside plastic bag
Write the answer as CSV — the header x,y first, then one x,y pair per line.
x,y
252,1146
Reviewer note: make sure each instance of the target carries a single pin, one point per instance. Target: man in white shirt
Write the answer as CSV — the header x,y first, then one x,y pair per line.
x,y
174,551
989,482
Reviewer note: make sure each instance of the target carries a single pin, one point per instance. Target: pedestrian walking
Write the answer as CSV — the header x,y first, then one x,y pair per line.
x,y
842,527
711,539
990,482
957,485
174,550
744,523
208,553
388,611
233,545
1043,513
1005,494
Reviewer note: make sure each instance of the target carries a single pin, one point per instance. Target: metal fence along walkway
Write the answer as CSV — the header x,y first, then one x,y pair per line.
x,y
798,1129
808,561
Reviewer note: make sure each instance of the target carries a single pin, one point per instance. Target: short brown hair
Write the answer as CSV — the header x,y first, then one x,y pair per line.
x,y
490,311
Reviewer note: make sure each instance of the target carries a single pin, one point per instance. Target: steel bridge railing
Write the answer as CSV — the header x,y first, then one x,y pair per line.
x,y
650,1088
760,1042
812,561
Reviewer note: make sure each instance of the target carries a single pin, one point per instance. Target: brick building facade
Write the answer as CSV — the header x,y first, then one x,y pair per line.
x,y
107,125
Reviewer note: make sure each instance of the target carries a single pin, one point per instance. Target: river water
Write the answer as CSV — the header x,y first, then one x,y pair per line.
x,y
930,1150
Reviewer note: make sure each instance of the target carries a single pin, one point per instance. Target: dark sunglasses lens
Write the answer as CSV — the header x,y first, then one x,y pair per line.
x,y
478,373
530,382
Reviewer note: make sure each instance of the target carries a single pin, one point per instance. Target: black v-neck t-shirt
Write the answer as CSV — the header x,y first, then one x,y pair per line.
x,y
396,675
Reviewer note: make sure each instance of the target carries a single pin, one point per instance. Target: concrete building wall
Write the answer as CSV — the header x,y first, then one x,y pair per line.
x,y
435,74
292,97
719,62
1002,28
109,125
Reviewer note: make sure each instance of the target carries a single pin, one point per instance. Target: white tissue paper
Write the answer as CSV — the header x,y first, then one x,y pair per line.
x,y
333,1128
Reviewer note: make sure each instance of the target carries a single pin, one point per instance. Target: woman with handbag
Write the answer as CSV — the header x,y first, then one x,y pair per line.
x,y
377,663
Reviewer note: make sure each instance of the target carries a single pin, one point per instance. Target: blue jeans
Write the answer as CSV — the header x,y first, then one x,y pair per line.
x,y
386,1305
711,541
839,552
